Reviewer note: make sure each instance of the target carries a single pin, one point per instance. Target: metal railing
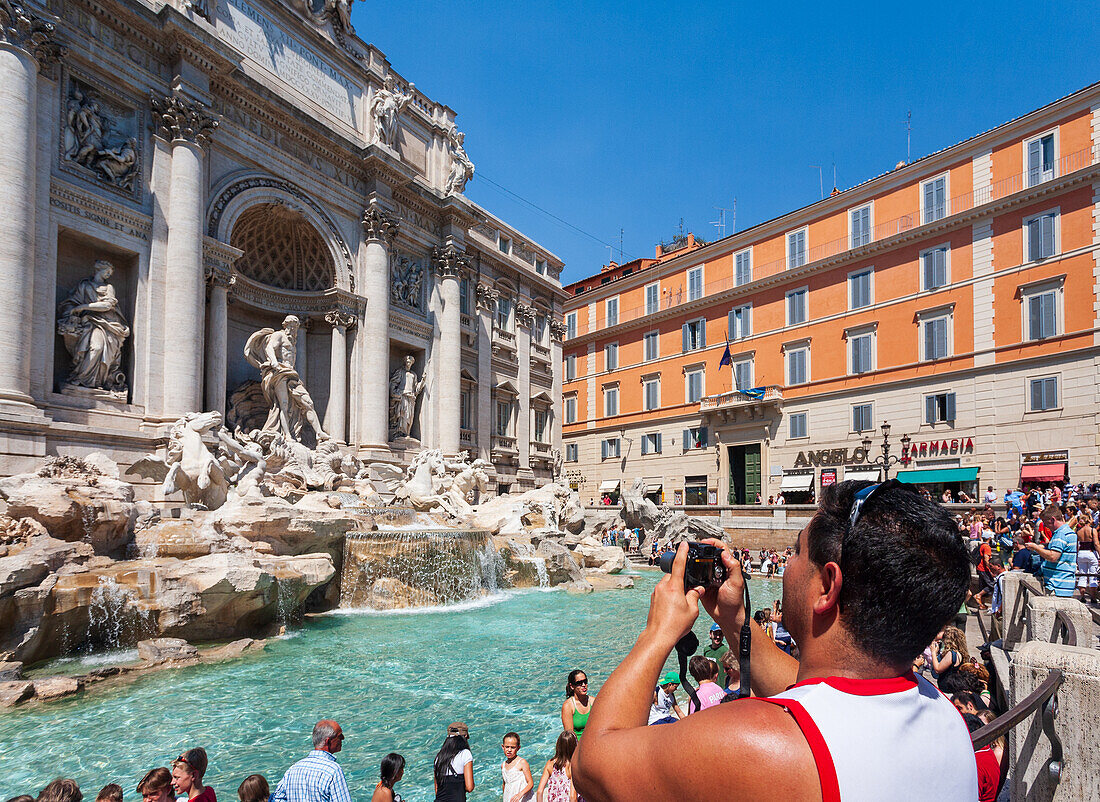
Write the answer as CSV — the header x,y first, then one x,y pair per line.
x,y
736,398
673,297
1044,697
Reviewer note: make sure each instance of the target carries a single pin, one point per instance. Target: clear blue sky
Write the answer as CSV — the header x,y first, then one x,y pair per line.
x,y
633,115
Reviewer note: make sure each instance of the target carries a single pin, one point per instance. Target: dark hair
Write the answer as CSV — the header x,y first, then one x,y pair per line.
x,y
972,722
392,766
564,748
702,668
905,569
254,788
22,798
570,685
451,747
61,790
155,781
758,617
111,791
508,735
968,698
952,681
195,760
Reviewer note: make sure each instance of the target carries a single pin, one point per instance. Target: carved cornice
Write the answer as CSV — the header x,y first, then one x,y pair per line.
x,y
487,297
22,29
177,118
380,224
557,330
449,262
525,314
341,318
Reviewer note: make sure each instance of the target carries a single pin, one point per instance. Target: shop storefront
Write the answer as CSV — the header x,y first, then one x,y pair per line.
x,y
936,480
609,492
695,490
654,490
1043,468
798,486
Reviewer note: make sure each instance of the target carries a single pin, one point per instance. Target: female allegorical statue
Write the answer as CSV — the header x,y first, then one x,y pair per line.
x,y
94,330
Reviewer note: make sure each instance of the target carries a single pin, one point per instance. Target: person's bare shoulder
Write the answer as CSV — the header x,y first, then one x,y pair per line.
x,y
752,750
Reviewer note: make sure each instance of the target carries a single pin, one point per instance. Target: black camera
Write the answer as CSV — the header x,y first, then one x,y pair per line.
x,y
704,566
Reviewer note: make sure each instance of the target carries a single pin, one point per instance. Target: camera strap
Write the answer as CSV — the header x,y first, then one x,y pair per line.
x,y
744,645
685,648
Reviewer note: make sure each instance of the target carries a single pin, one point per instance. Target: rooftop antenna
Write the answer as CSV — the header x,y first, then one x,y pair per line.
x,y
720,223
733,223
834,175
820,179
681,228
908,134
610,254
620,245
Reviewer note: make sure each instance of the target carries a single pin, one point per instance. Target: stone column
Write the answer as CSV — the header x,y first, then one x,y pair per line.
x,y
187,126
337,412
217,340
486,308
26,45
449,264
301,358
380,228
557,334
525,319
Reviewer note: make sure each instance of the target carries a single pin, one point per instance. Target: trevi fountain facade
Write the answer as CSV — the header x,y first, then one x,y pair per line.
x,y
260,354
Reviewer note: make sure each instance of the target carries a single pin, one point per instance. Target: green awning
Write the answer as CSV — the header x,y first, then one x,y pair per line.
x,y
931,476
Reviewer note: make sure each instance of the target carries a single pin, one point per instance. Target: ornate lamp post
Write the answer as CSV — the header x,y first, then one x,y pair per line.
x,y
886,459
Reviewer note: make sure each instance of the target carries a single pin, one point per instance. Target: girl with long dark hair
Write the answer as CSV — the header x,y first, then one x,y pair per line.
x,y
454,766
393,768
577,704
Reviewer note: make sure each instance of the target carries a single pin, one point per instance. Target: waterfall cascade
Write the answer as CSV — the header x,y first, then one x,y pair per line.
x,y
414,566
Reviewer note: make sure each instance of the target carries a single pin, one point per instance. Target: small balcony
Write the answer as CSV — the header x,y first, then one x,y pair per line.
x,y
504,449
753,403
467,437
503,341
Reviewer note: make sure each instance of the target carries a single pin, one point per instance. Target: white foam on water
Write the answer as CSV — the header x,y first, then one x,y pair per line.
x,y
488,600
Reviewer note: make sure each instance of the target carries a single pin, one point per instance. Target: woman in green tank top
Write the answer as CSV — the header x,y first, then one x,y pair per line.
x,y
577,705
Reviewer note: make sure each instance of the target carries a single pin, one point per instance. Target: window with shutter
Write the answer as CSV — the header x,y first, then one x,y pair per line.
x,y
695,283
1040,160
949,415
645,445
571,325
684,331
930,409
934,199
860,221
796,249
742,262
859,289
652,299
796,425
650,342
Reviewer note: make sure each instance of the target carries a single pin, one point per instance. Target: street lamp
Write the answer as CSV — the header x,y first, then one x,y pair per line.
x,y
885,460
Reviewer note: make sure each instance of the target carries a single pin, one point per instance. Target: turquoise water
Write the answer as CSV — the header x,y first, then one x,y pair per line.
x,y
393,681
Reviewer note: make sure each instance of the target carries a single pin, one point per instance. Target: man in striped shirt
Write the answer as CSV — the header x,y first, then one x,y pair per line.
x,y
317,777
1059,555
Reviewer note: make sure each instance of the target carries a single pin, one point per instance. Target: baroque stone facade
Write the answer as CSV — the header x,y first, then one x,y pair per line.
x,y
237,162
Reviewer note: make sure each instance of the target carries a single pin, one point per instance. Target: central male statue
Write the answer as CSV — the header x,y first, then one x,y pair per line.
x,y
274,353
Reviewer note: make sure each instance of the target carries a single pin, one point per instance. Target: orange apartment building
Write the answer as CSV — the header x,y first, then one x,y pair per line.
x,y
954,299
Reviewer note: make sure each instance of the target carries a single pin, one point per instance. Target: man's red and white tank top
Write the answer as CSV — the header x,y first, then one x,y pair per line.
x,y
883,739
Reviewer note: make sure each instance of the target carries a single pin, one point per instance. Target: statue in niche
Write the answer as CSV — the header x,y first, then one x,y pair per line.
x,y
405,386
94,330
406,278
462,169
105,145
386,107
273,353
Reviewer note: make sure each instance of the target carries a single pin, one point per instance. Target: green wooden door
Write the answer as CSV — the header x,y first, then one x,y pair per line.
x,y
752,474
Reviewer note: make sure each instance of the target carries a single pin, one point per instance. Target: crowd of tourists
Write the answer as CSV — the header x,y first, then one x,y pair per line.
x,y
866,658
318,777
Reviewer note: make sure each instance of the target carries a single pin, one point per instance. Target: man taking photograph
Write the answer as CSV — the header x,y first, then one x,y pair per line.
x,y
874,576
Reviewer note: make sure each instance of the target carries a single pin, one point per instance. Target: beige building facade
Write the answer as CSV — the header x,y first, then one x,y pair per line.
x,y
237,162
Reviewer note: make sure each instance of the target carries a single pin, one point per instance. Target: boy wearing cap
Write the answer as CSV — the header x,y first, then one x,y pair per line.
x,y
664,701
714,651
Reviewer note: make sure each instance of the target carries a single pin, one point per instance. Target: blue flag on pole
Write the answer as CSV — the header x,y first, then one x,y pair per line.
x,y
727,357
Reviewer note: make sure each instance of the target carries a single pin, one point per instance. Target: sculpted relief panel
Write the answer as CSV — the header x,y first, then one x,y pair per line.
x,y
261,40
99,138
407,281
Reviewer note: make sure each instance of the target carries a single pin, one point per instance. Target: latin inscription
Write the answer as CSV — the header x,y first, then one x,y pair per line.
x,y
258,38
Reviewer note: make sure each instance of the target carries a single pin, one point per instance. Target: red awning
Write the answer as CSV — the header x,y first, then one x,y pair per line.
x,y
1051,472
